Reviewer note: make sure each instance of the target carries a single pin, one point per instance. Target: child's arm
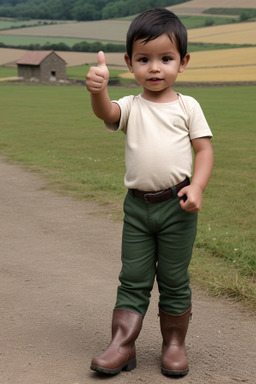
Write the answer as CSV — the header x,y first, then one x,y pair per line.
x,y
203,166
96,83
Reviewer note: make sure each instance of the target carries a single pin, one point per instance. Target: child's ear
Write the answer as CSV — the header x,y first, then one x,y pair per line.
x,y
184,62
128,62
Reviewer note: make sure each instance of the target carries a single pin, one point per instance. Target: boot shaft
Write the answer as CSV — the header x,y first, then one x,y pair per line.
x,y
174,327
126,326
120,353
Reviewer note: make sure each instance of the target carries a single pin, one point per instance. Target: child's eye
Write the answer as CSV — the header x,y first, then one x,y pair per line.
x,y
166,59
143,60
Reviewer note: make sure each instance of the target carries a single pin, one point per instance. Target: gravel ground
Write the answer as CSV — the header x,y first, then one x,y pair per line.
x,y
59,263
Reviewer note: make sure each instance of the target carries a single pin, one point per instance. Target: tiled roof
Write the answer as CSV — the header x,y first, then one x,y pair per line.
x,y
34,57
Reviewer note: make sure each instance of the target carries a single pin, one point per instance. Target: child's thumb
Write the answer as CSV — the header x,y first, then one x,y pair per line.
x,y
101,59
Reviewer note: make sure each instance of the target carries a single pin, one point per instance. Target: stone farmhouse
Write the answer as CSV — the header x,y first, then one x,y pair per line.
x,y
43,66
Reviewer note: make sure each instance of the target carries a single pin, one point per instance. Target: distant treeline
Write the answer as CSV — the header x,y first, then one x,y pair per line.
x,y
78,9
84,46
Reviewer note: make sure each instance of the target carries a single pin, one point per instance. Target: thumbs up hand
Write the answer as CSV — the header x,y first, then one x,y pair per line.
x,y
97,77
101,59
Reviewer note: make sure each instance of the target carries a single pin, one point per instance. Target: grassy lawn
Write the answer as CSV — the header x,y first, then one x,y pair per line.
x,y
51,130
191,22
78,71
8,72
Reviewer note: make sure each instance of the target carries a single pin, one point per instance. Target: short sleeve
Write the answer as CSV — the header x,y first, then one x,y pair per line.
x,y
124,104
198,125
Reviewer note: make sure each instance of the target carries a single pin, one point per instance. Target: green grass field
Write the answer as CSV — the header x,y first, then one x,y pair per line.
x,y
191,22
14,41
52,130
11,24
8,72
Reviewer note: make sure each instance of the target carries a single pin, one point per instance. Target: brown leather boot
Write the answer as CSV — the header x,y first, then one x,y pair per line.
x,y
174,329
120,354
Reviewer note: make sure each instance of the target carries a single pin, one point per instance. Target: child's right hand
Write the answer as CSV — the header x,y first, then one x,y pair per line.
x,y
97,77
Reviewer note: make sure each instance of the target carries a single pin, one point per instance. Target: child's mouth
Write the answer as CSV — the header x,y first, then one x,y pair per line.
x,y
154,80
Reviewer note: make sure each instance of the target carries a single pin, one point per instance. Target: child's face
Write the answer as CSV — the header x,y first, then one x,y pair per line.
x,y
156,65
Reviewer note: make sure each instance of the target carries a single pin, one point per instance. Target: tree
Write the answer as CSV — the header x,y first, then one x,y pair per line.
x,y
78,9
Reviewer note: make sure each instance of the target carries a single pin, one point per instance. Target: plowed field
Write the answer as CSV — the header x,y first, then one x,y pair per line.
x,y
107,30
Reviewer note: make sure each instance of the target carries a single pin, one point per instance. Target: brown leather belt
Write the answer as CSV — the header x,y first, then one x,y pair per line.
x,y
155,197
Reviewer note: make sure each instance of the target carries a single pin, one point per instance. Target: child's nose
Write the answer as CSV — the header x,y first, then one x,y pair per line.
x,y
154,66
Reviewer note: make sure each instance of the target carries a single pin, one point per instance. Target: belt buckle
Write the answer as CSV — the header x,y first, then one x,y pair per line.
x,y
146,197
151,194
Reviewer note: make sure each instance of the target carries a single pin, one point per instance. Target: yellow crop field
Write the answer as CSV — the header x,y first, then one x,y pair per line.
x,y
241,33
219,66
223,58
224,74
222,65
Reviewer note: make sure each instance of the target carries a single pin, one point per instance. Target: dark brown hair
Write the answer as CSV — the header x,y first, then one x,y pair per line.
x,y
153,23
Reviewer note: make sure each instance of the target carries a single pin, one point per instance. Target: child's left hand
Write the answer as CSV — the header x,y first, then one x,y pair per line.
x,y
191,198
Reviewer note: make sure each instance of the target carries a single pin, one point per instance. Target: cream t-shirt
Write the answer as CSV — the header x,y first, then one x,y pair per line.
x,y
158,151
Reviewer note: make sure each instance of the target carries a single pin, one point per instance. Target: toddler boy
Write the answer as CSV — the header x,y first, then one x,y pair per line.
x,y
162,128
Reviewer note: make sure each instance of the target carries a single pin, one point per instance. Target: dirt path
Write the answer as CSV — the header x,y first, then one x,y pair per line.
x,y
59,263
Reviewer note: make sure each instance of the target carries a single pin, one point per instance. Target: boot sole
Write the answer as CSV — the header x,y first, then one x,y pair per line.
x,y
168,372
130,365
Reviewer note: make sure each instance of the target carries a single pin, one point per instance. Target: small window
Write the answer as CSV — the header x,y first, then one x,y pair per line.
x,y
53,76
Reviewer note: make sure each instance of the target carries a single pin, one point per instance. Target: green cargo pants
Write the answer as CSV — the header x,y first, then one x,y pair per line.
x,y
157,242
